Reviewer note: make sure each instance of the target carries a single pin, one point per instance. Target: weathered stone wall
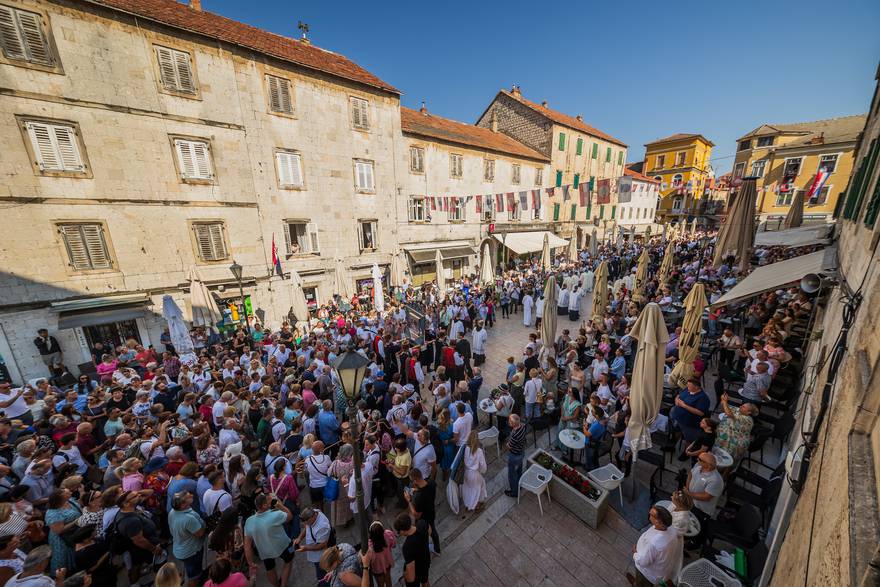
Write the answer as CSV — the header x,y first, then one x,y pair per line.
x,y
520,122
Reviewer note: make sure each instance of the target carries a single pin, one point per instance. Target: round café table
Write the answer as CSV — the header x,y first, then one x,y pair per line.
x,y
693,523
487,406
723,459
572,439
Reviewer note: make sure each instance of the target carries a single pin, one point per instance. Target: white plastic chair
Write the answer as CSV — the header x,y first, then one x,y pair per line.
x,y
704,573
489,437
536,479
608,478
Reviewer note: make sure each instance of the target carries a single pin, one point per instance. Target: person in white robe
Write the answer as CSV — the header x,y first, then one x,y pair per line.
x,y
528,303
587,280
562,303
367,472
574,304
539,311
473,490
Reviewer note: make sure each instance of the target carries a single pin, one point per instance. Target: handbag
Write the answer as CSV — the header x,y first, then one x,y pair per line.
x,y
331,489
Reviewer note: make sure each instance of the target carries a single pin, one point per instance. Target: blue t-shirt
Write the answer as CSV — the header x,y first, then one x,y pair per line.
x,y
267,531
328,427
597,431
697,400
184,525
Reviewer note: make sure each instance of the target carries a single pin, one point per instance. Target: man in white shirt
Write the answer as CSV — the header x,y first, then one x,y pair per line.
x,y
216,498
229,370
317,466
658,553
313,537
220,406
68,453
424,456
598,366
461,428
13,404
281,354
530,391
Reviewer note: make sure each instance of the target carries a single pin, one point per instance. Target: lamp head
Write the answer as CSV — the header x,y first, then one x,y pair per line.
x,y
351,367
236,270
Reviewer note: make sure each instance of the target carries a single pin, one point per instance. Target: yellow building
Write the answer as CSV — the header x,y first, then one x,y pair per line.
x,y
680,163
787,157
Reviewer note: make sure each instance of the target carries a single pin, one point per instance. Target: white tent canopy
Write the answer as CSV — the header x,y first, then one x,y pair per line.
x,y
529,242
795,237
778,274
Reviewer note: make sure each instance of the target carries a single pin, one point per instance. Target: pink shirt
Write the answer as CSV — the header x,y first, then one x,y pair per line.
x,y
133,482
309,398
382,562
234,580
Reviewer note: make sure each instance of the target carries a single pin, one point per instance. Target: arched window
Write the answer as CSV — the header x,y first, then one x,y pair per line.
x,y
676,180
677,203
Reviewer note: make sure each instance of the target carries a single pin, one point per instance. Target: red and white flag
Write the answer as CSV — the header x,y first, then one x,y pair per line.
x,y
817,185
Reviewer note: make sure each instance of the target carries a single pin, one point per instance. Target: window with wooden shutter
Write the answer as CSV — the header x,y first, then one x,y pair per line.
x,y
595,150
456,164
555,212
580,147
289,168
620,158
539,176
559,179
86,246
175,70
23,38
417,211
194,159
363,176
55,147
577,180
301,238
279,94
360,117
416,160
607,154
488,170
210,241
516,173
562,141
369,235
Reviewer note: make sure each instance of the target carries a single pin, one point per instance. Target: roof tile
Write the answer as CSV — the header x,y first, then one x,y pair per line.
x,y
445,129
639,176
175,14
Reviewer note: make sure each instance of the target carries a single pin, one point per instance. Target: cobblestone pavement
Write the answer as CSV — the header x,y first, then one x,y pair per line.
x,y
508,544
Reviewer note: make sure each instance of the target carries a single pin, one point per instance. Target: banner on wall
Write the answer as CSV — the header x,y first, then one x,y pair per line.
x,y
603,193
624,190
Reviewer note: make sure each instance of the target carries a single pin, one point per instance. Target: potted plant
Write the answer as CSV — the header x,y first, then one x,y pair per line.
x,y
573,490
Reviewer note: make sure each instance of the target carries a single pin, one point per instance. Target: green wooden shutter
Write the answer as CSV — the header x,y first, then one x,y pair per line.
x,y
562,141
592,183
601,212
555,212
866,171
613,211
608,155
873,207
559,179
595,150
620,158
577,179
580,146
589,208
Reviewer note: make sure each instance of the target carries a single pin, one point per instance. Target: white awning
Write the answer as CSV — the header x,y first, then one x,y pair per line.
x,y
529,242
100,302
772,276
801,236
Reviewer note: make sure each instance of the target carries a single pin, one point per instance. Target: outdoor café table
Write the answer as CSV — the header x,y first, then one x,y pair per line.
x,y
573,440
693,523
487,406
722,458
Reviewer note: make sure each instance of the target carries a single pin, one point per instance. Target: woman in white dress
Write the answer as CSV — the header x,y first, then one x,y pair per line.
x,y
473,490
528,303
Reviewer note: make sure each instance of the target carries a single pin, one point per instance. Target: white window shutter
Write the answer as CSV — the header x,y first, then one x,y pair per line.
x,y
76,247
286,102
185,81
43,143
312,231
202,159
32,34
355,113
274,93
68,150
10,41
218,243
185,159
93,235
166,68
281,164
203,241
287,237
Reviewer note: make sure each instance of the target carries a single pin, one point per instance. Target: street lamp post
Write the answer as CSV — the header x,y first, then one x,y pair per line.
x,y
351,367
236,270
704,243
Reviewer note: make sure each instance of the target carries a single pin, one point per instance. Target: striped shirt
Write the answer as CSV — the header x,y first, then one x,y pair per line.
x,y
516,442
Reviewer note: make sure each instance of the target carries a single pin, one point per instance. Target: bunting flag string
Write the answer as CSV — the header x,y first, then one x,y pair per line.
x,y
499,203
566,196
479,204
523,201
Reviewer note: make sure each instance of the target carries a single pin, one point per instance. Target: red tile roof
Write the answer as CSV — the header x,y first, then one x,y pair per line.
x,y
564,119
639,176
680,136
181,16
444,129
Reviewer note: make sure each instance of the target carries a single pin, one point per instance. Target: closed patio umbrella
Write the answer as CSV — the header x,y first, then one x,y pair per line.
x,y
666,265
646,387
341,282
600,291
632,234
204,311
396,276
694,226
378,294
178,331
648,234
665,231
438,267
487,272
638,294
689,342
546,259
737,234
548,323
298,304
594,245
795,216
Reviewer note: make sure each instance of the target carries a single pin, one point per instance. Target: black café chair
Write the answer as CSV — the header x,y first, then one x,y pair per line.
x,y
741,531
764,500
756,558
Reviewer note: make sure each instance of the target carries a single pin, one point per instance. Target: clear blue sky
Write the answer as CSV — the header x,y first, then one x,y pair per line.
x,y
637,70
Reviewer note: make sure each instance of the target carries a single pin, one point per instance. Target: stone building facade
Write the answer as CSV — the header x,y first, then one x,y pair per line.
x,y
143,140
637,199
578,152
444,158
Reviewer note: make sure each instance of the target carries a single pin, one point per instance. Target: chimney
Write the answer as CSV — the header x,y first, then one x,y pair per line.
x,y
196,5
494,121
424,109
545,104
579,118
515,90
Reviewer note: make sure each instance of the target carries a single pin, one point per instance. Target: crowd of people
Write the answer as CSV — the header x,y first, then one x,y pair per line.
x,y
215,471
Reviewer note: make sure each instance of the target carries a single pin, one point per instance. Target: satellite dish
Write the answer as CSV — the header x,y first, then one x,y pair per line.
x,y
811,283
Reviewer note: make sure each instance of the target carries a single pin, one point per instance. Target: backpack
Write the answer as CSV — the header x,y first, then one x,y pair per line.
x,y
213,520
134,450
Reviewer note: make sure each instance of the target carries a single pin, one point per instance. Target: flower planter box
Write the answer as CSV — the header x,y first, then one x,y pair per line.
x,y
590,511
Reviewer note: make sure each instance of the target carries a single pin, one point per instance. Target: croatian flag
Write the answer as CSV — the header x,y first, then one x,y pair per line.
x,y
276,261
817,185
